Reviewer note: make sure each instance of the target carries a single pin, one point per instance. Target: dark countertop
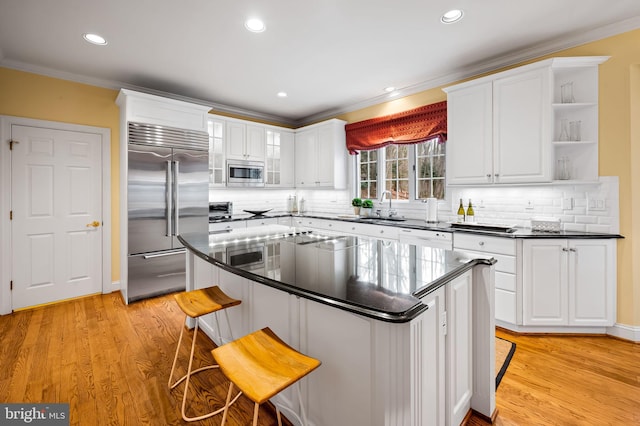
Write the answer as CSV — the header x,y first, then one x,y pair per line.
x,y
440,226
375,278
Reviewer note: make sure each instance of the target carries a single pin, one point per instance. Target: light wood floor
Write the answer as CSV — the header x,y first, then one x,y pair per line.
x,y
562,380
111,363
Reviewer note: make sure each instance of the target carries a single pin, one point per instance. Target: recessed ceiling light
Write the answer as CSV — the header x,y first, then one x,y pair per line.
x,y
451,16
94,39
282,94
255,25
389,89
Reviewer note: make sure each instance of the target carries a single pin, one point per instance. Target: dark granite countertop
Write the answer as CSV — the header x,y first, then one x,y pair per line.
x,y
439,226
379,279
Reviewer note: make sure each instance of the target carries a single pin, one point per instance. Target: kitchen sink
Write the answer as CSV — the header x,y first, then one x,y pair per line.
x,y
382,219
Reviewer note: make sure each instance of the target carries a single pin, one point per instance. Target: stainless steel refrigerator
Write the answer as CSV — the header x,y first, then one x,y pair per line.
x,y
167,194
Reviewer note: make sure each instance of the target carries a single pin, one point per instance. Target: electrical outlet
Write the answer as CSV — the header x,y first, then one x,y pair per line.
x,y
597,204
529,205
567,204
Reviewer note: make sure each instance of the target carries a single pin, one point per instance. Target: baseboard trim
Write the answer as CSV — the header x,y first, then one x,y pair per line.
x,y
114,286
625,332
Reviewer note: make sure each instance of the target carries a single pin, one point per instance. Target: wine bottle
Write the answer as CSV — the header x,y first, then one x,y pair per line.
x,y
461,212
470,214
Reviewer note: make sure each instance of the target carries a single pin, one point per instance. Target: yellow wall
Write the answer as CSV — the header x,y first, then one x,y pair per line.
x,y
34,96
29,95
619,148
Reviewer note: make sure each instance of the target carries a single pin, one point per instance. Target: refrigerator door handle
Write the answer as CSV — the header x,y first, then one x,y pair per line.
x,y
168,196
176,196
167,253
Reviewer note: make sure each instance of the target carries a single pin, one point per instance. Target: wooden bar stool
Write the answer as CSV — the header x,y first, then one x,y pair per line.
x,y
195,304
261,365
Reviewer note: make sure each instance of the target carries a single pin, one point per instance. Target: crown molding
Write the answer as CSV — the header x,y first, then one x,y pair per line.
x,y
117,85
489,65
492,64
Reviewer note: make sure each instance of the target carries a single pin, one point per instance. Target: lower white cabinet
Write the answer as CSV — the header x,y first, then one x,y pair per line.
x,y
569,282
504,250
459,348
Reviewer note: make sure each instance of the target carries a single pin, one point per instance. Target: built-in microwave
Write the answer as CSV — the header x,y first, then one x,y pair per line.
x,y
245,173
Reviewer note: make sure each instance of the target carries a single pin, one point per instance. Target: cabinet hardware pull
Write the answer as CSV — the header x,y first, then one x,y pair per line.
x,y
481,243
565,249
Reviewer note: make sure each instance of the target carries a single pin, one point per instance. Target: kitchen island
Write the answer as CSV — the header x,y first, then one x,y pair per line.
x,y
405,332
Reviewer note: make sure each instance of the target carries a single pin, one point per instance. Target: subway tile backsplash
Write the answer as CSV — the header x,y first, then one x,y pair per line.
x,y
580,207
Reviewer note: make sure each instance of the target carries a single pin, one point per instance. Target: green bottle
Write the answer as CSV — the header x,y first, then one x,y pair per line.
x,y
460,212
470,214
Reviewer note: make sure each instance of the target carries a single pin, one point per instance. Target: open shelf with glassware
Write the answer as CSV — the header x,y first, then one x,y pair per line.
x,y
575,118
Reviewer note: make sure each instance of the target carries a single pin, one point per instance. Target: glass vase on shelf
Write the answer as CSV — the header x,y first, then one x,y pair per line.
x,y
566,93
564,168
564,130
574,130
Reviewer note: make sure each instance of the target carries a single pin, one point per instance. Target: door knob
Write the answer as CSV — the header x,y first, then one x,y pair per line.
x,y
93,224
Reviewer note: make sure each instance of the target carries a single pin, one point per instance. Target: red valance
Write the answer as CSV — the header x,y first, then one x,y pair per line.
x,y
413,126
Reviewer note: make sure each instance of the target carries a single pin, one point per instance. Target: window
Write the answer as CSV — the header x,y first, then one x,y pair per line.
x,y
409,172
430,167
369,174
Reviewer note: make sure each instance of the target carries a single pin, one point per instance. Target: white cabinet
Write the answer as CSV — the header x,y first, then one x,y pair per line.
x,y
470,134
577,110
569,282
521,108
217,172
152,109
459,348
504,250
321,156
280,158
498,129
245,141
219,227
261,221
512,127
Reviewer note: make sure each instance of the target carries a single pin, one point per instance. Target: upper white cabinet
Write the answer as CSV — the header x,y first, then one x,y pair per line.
x,y
231,138
575,117
217,172
245,141
280,164
321,156
470,134
152,109
506,128
569,282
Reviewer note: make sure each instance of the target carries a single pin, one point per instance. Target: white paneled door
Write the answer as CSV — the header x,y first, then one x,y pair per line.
x,y
56,200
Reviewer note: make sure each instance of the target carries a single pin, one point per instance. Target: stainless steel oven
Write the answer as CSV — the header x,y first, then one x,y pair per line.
x,y
245,173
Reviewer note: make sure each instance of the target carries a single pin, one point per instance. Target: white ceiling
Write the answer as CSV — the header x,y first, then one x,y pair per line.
x,y
330,56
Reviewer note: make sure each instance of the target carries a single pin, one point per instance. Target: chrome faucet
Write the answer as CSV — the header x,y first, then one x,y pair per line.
x,y
390,196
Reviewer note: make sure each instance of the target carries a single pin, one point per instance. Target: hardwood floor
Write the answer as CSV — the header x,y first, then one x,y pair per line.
x,y
111,363
569,380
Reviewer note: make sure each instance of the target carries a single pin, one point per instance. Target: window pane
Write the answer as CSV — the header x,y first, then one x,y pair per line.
x,y
439,166
403,190
430,169
438,188
424,189
403,169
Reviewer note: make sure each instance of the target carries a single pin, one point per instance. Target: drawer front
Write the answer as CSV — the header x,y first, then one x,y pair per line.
x,y
505,263
505,306
485,244
505,281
